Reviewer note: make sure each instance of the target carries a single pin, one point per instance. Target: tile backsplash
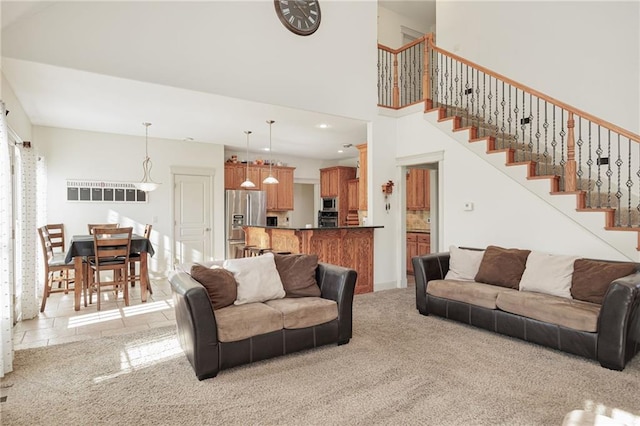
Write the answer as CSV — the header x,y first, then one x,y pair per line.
x,y
418,219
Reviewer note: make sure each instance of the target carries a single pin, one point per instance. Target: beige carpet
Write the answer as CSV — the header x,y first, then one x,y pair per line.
x,y
399,368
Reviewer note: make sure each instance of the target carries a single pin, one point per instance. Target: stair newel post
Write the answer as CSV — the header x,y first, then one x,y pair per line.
x,y
570,172
426,75
396,88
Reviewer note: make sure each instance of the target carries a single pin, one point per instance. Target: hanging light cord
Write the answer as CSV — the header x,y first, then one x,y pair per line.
x,y
147,165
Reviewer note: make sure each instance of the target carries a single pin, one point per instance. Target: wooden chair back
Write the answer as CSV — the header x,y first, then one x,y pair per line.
x,y
147,230
47,245
56,236
111,243
91,226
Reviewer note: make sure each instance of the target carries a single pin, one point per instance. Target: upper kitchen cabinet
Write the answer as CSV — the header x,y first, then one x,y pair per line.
x,y
418,194
362,183
279,196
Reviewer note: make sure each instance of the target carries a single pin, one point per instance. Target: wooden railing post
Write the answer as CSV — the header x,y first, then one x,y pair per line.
x,y
396,88
426,74
570,168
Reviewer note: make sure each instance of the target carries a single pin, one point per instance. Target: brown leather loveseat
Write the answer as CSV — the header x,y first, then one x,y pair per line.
x,y
213,341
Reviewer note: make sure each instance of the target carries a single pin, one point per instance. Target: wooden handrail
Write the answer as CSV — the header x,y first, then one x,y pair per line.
x,y
576,111
405,47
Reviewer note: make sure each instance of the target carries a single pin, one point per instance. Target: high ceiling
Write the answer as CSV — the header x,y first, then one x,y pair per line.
x,y
89,92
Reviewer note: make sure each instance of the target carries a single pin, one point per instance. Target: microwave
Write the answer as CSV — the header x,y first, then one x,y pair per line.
x,y
330,204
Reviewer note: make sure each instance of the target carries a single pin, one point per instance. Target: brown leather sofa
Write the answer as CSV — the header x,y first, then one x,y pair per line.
x,y
615,342
199,336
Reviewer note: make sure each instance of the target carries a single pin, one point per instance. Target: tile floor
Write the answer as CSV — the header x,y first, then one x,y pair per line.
x,y
59,323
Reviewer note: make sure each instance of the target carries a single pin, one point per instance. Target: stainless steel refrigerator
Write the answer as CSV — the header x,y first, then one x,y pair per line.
x,y
243,208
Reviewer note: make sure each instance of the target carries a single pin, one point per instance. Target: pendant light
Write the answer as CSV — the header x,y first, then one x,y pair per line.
x,y
247,183
147,183
270,180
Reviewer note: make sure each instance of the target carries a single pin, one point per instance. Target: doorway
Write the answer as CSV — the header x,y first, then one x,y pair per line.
x,y
192,216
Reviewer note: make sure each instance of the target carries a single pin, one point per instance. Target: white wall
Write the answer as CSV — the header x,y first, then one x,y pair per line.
x,y
304,202
17,118
74,154
232,48
390,27
584,53
504,213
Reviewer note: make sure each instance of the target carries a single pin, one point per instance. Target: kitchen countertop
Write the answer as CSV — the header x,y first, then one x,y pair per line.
x,y
419,231
314,228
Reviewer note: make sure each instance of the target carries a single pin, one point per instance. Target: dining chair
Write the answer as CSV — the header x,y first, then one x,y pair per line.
x,y
91,226
56,235
111,249
135,258
56,269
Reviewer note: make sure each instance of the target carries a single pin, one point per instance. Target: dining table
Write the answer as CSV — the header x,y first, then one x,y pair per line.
x,y
82,246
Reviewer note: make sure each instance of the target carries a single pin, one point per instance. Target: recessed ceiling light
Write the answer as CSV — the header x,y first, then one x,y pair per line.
x,y
323,126
340,151
266,149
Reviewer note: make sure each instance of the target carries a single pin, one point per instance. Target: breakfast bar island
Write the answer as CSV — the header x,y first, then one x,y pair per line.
x,y
349,246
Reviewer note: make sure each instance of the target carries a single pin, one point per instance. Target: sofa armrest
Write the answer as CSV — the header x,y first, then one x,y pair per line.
x,y
426,268
338,283
196,323
617,323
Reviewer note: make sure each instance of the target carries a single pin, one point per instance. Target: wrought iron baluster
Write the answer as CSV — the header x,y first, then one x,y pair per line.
x,y
502,128
563,161
545,125
484,104
466,89
599,164
477,115
470,112
497,111
579,142
440,79
515,114
618,192
538,134
590,164
530,127
609,172
629,183
554,142
489,98
509,120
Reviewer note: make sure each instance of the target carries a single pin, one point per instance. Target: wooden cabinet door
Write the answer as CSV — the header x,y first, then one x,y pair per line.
x,y
362,185
271,189
424,244
353,194
255,174
411,192
427,190
233,176
329,182
285,189
412,250
418,189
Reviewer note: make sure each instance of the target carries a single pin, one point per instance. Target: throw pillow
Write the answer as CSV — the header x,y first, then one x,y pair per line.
x,y
548,273
257,277
502,267
592,278
298,274
463,264
219,283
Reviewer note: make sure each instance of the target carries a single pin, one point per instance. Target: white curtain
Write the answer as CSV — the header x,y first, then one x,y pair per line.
x,y
6,249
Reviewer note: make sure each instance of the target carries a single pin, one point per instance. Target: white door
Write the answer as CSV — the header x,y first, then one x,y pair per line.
x,y
193,220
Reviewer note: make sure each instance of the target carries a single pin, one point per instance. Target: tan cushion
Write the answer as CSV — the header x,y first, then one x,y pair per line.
x,y
569,313
238,322
592,278
501,266
298,274
257,277
463,264
548,273
478,294
220,284
301,312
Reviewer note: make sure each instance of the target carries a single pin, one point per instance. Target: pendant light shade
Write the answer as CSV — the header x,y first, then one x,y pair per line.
x,y
147,183
247,182
270,180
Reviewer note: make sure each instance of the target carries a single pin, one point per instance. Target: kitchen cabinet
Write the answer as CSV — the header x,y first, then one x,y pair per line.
x,y
352,185
418,193
362,184
418,243
334,183
279,196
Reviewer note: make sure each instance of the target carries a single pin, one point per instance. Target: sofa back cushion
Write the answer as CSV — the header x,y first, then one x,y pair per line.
x,y
219,283
592,278
548,273
298,274
257,278
501,266
463,264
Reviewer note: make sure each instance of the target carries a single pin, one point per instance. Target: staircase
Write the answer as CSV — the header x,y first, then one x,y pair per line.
x,y
577,162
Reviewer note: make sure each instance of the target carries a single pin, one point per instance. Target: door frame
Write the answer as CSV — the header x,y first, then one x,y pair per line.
x,y
437,217
208,172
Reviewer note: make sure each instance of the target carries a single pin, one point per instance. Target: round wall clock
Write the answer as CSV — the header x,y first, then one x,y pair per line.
x,y
301,17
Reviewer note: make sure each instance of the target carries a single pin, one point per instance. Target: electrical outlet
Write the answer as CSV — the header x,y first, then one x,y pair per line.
x,y
468,206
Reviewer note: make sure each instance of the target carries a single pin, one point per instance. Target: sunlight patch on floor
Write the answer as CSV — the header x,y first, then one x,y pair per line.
x,y
146,308
94,318
138,356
